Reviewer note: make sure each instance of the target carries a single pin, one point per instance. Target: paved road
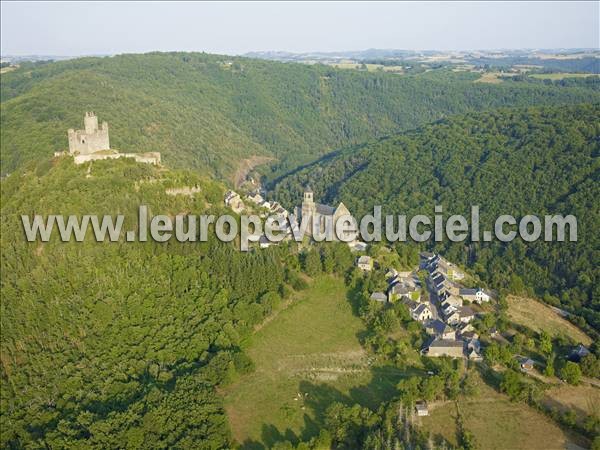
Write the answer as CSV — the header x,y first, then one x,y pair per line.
x,y
434,302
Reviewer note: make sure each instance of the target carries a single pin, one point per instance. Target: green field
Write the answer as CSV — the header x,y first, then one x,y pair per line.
x,y
560,76
307,358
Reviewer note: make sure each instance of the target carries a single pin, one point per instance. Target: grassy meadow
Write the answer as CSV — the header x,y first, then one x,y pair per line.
x,y
583,399
307,358
537,316
498,424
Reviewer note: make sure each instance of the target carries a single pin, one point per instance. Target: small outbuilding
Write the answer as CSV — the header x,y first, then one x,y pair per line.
x,y
421,409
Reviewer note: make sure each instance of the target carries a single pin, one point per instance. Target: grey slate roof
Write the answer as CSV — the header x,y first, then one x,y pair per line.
x,y
379,297
325,210
467,291
437,326
419,309
446,343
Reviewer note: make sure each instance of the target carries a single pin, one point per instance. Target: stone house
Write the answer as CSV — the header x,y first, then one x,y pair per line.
x,y
445,347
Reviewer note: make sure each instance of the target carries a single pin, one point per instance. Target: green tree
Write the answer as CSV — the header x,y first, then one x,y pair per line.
x,y
312,263
549,369
512,385
571,373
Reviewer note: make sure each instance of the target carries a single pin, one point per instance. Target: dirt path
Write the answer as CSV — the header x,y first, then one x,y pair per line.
x,y
246,165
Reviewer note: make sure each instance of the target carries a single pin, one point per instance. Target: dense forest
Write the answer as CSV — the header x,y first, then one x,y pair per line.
x,y
208,112
524,161
109,345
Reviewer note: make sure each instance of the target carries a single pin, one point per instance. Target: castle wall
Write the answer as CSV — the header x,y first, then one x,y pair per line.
x,y
148,158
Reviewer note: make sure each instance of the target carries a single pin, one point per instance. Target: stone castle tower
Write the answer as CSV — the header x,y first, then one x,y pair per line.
x,y
91,139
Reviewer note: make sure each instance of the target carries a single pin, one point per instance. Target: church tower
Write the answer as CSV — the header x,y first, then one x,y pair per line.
x,y
308,204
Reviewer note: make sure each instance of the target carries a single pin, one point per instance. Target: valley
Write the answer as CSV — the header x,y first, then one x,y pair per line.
x,y
310,345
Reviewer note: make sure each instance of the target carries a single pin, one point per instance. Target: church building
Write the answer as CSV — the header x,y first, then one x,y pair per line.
x,y
319,212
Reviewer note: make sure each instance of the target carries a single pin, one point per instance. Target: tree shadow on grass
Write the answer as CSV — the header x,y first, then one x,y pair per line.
x,y
317,397
489,376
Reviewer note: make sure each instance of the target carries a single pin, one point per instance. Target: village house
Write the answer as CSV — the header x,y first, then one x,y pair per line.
x,y
578,353
391,274
466,328
264,242
421,409
435,327
276,208
255,198
421,313
474,355
430,263
473,344
449,270
466,314
435,263
379,297
477,295
234,201
448,333
365,263
438,282
526,364
404,287
445,347
452,300
447,310
425,258
453,318
468,336
357,246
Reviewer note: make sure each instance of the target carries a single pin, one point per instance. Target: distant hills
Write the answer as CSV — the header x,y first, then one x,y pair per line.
x,y
567,60
209,112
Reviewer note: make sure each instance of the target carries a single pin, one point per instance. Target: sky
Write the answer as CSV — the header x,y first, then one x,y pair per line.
x,y
94,28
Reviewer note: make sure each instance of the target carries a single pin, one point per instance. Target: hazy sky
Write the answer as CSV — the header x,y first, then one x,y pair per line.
x,y
73,28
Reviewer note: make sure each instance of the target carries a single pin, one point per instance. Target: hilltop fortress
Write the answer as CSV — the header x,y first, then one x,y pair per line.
x,y
90,139
92,143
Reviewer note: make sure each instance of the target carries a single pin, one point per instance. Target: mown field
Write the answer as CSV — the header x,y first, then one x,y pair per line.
x,y
498,423
537,316
307,358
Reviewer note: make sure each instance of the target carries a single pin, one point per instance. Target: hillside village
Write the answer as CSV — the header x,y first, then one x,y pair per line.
x,y
443,301
272,211
444,313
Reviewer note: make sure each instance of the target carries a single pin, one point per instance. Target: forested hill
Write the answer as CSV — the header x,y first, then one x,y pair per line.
x,y
524,161
208,112
114,344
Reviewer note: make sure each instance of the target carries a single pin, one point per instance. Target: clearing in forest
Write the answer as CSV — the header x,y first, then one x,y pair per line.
x,y
306,358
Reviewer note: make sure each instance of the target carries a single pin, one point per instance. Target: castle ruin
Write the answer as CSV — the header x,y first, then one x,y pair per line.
x,y
91,139
92,144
